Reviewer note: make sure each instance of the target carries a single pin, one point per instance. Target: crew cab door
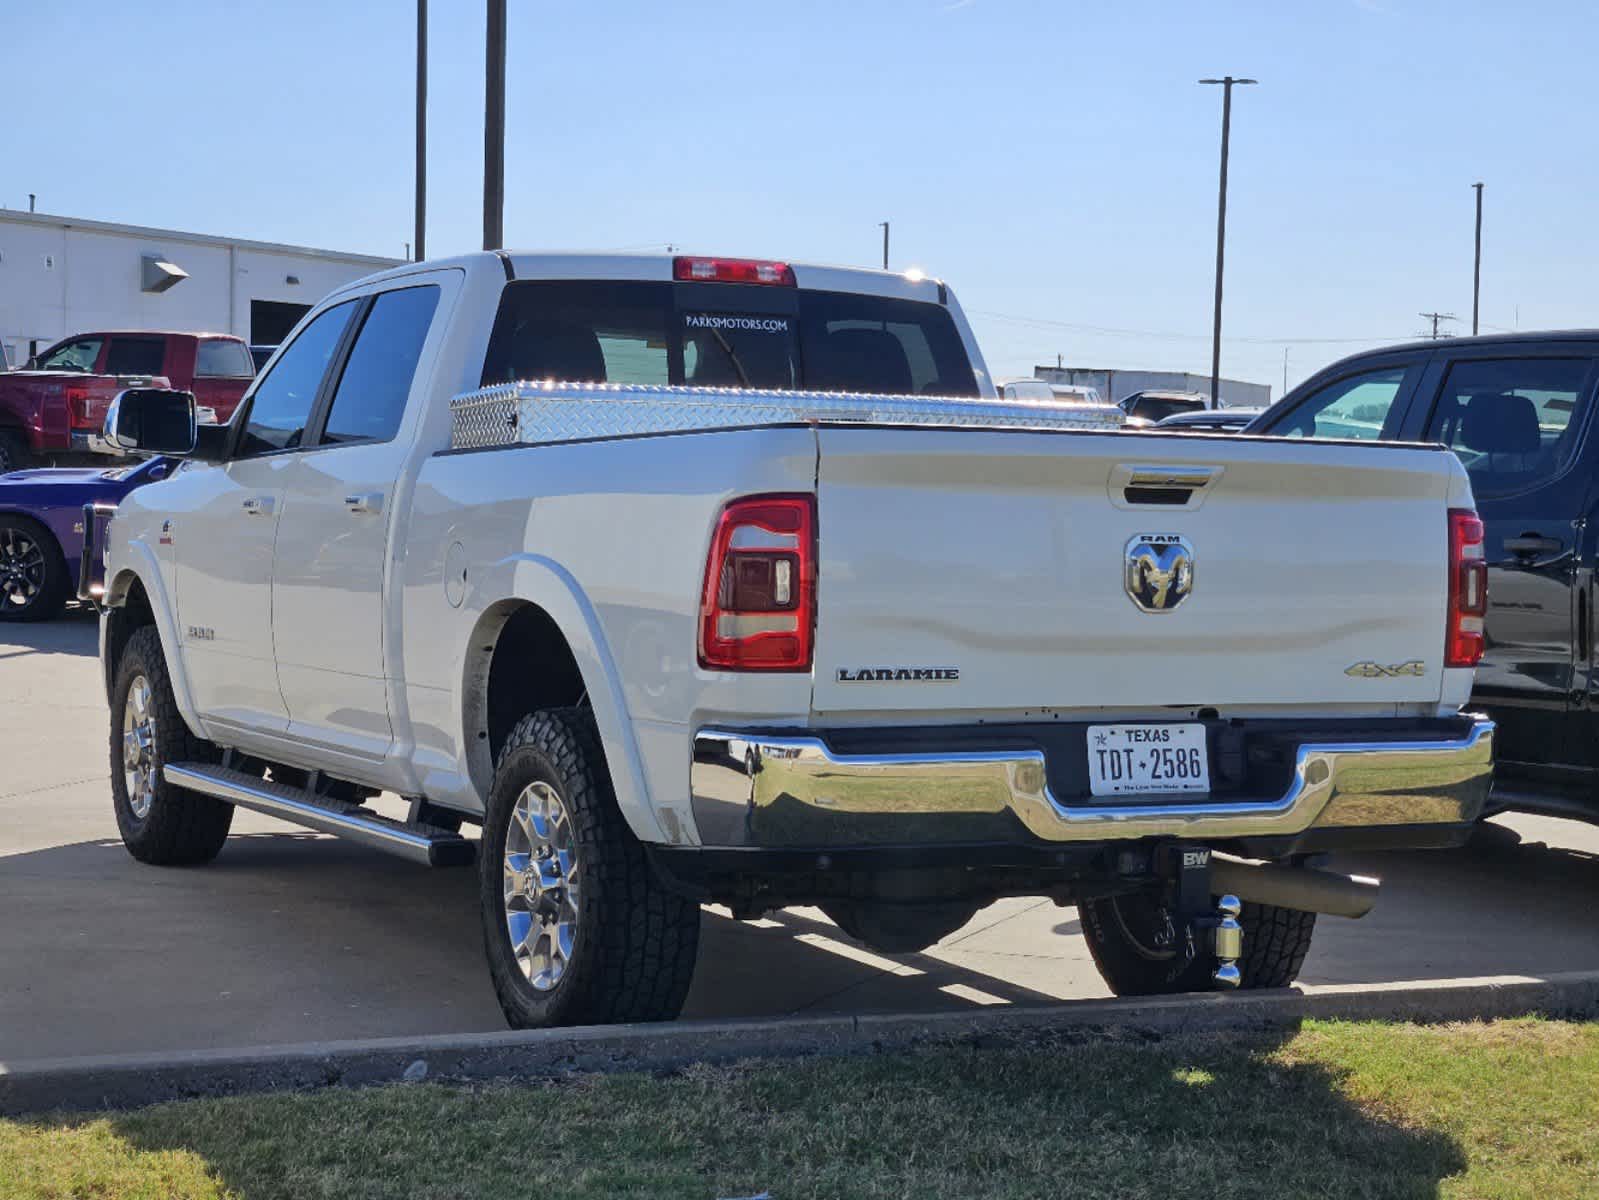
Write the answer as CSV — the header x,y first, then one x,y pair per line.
x,y
224,523
1518,421
329,568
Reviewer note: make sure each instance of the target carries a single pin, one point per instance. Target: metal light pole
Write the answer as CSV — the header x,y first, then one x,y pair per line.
x,y
1227,83
884,224
421,128
494,130
1476,264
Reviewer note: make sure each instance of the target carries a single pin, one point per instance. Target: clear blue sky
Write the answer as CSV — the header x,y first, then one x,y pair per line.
x,y
1056,162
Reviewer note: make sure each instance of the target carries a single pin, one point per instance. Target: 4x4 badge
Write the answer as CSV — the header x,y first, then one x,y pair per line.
x,y
1371,670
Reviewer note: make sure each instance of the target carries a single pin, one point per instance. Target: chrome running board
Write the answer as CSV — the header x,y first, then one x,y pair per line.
x,y
425,844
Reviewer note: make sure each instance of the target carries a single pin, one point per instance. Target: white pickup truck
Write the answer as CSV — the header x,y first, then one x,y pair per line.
x,y
705,580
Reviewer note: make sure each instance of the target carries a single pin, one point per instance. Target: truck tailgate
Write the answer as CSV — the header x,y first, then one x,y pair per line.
x,y
987,572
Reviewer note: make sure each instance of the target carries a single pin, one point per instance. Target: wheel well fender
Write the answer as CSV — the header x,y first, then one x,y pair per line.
x,y
541,646
134,597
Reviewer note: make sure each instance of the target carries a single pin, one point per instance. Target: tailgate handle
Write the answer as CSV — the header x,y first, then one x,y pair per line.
x,y
1166,486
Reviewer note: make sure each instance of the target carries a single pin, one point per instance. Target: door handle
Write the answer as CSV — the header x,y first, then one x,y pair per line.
x,y
367,502
1532,543
259,506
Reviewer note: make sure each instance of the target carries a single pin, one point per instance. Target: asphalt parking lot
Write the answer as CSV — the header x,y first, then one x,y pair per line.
x,y
292,936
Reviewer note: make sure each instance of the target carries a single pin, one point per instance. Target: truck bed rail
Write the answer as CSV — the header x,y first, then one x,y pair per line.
x,y
540,413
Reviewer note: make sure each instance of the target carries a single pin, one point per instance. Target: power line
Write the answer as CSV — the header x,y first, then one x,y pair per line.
x,y
1111,331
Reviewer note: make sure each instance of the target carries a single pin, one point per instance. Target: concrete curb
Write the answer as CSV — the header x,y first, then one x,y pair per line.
x,y
125,1081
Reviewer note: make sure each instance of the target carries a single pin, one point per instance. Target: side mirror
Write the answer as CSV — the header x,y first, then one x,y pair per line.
x,y
150,421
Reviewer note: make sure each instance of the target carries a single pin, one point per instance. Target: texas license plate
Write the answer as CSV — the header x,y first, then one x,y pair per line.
x,y
1126,760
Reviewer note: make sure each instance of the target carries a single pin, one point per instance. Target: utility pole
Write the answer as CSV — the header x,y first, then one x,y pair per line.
x,y
884,225
421,128
1227,83
494,130
1435,317
1285,371
1476,264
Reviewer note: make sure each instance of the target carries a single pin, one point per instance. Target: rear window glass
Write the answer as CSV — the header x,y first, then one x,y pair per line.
x,y
1513,422
135,356
653,333
222,358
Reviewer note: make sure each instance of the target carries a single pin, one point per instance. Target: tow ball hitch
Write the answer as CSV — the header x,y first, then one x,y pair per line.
x,y
1211,926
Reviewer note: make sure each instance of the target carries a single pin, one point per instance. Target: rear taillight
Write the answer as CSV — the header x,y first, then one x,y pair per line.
x,y
1468,590
758,606
732,270
78,415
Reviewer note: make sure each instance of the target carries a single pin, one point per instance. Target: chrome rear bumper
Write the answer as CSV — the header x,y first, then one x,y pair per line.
x,y
779,790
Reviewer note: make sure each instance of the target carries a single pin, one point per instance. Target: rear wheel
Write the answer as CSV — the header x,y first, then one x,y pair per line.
x,y
33,575
1142,950
159,823
577,927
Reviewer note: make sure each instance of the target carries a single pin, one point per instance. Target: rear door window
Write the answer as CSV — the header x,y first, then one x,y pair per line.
x,y
135,356
1514,422
222,358
377,376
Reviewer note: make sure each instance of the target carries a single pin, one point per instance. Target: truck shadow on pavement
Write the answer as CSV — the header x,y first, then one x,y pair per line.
x,y
294,937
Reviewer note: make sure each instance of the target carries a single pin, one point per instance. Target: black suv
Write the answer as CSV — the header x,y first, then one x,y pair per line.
x,y
1518,410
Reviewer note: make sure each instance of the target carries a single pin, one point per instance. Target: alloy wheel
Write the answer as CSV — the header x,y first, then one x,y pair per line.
x,y
542,896
138,747
22,569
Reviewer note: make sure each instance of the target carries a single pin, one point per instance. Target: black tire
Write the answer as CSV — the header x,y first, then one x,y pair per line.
x,y
1124,935
14,454
634,941
33,573
179,827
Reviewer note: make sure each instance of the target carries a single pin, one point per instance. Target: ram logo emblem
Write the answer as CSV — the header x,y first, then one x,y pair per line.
x,y
1159,571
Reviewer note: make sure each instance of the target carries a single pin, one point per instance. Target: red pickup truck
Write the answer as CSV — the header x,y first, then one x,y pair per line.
x,y
50,408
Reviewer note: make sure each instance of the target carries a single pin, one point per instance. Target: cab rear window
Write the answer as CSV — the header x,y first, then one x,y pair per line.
x,y
639,332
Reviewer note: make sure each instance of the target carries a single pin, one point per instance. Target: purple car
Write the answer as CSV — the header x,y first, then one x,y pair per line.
x,y
41,530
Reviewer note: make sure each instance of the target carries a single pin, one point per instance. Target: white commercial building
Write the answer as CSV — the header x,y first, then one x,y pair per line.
x,y
1115,385
62,275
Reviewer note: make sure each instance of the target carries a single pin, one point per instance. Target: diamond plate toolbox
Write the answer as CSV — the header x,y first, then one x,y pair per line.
x,y
536,414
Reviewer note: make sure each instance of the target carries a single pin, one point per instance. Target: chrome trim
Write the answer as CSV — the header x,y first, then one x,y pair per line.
x,y
754,789
435,848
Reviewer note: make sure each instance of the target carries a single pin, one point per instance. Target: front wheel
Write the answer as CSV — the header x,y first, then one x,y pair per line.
x,y
1141,949
159,823
577,927
33,575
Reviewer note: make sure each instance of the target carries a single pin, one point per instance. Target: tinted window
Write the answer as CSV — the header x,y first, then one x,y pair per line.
x,y
731,349
76,355
135,356
581,333
282,402
871,344
220,358
1357,406
1513,422
1158,408
652,333
377,375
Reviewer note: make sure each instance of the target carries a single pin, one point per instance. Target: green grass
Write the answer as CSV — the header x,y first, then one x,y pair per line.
x,y
1345,1110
